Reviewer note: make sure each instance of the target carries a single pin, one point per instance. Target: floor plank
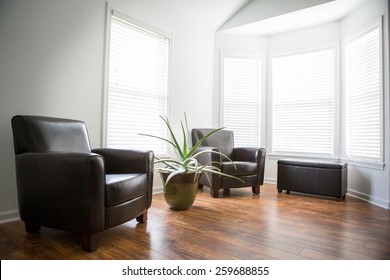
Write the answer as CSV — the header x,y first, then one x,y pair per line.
x,y
238,225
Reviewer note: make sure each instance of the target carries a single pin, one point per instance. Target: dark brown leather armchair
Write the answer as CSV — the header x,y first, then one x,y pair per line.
x,y
248,164
63,184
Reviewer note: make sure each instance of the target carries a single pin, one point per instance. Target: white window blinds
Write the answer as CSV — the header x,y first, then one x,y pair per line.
x,y
363,96
241,99
303,103
137,87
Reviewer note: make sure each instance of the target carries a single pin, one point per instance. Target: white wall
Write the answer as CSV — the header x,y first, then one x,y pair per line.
x,y
52,63
366,183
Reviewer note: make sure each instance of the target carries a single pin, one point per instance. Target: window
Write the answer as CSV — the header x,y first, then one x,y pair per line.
x,y
364,96
241,99
303,103
137,86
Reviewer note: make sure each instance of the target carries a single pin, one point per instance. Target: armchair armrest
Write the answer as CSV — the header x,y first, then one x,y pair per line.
x,y
66,190
119,161
253,155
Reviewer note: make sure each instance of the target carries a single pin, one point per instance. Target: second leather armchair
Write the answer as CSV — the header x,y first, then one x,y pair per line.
x,y
249,163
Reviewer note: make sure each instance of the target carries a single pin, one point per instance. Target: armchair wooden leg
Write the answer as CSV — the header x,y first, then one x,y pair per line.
x,y
31,228
143,217
226,191
256,190
90,242
214,193
200,186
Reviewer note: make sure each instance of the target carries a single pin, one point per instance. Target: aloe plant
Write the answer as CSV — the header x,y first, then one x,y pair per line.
x,y
187,155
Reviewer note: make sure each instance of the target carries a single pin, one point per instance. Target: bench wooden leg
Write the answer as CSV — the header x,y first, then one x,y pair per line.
x,y
341,198
31,228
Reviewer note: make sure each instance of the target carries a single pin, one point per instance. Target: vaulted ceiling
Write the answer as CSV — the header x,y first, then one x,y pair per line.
x,y
262,17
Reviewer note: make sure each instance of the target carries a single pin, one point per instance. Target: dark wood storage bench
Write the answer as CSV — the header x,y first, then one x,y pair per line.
x,y
320,178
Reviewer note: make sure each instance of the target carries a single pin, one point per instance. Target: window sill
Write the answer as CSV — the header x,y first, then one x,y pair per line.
x,y
364,164
371,165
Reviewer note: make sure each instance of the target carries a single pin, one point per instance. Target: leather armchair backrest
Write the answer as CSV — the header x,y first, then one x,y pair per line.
x,y
37,133
223,140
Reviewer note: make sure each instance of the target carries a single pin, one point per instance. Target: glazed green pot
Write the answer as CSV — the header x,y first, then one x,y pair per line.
x,y
181,190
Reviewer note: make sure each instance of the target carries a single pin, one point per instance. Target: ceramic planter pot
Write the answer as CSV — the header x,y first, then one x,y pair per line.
x,y
181,190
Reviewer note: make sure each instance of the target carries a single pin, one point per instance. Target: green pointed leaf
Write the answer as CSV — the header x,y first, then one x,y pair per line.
x,y
174,140
187,162
197,145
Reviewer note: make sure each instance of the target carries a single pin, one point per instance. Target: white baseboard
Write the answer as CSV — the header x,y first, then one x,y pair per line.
x,y
157,189
373,200
9,216
270,181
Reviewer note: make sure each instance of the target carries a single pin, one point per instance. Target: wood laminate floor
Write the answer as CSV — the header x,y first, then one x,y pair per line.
x,y
236,226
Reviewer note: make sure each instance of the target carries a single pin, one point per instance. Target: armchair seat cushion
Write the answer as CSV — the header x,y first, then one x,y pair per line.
x,y
239,168
123,187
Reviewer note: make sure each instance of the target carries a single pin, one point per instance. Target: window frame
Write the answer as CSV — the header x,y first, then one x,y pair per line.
x,y
336,102
362,31
143,26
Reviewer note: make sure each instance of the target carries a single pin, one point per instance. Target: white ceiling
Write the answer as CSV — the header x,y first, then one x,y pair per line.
x,y
211,13
310,16
226,15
